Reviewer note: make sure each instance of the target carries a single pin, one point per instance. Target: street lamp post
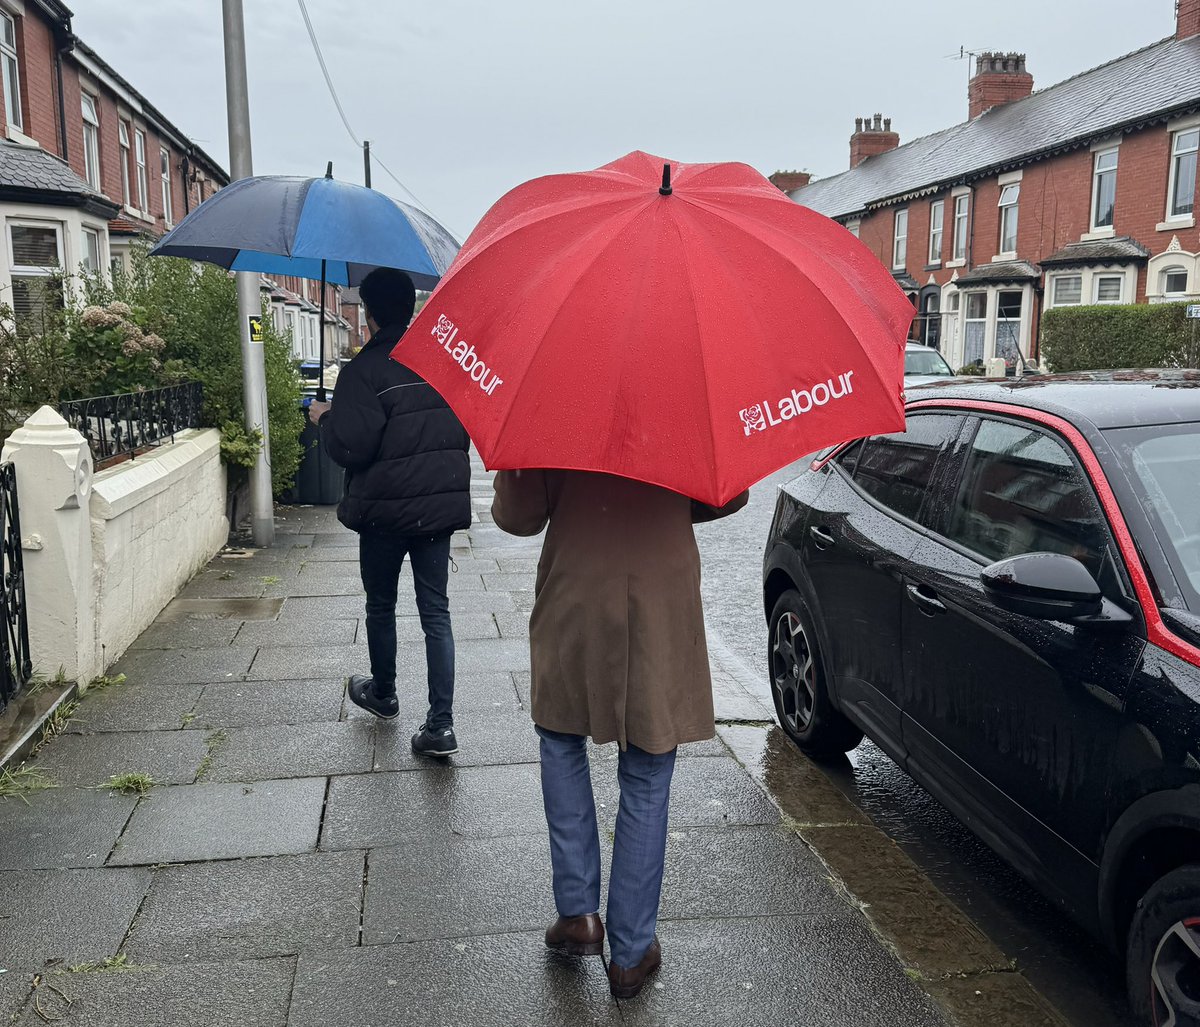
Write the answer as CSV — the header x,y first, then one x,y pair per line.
x,y
254,377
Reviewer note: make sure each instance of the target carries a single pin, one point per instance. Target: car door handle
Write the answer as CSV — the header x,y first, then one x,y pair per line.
x,y
928,601
822,536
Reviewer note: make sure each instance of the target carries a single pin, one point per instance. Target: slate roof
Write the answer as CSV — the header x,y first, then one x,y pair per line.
x,y
1153,83
30,174
1099,251
1002,271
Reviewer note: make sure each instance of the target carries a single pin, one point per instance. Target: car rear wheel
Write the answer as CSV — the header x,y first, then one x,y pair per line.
x,y
1163,952
802,703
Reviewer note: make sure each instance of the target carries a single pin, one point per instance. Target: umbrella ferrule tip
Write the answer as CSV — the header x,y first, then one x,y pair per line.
x,y
665,188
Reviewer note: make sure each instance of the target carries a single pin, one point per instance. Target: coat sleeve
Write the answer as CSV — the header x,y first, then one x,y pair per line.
x,y
703,512
352,429
522,503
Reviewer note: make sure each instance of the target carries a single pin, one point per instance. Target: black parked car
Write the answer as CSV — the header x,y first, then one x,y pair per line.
x,y
1006,598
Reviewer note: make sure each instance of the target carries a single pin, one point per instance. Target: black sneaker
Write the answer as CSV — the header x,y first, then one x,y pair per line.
x,y
362,694
438,741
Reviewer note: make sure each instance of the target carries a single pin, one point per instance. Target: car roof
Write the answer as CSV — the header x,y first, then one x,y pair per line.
x,y
917,346
1107,399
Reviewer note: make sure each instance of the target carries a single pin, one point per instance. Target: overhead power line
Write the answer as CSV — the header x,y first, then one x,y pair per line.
x,y
312,35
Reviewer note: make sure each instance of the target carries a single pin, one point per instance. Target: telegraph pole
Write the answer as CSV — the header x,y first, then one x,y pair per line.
x,y
254,377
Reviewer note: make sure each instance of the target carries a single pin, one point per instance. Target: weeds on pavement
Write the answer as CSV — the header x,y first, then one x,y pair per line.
x,y
132,783
21,781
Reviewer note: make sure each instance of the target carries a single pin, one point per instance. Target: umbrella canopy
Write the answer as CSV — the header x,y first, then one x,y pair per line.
x,y
283,225
693,328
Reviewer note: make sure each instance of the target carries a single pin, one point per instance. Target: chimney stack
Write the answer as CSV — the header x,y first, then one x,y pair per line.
x,y
871,136
1000,78
787,181
1187,18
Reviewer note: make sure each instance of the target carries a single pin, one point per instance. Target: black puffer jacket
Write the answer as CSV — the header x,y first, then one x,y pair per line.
x,y
404,450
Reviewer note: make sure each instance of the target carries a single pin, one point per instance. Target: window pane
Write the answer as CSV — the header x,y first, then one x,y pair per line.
x,y
35,295
1183,199
897,469
1022,493
123,132
89,110
1068,289
12,91
10,31
1175,281
1108,288
34,247
935,216
91,250
976,305
1105,189
1008,230
1009,195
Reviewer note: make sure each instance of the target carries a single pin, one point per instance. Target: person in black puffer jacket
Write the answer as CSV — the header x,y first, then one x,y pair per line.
x,y
408,488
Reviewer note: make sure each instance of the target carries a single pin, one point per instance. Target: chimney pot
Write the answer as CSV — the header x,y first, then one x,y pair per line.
x,y
999,78
887,124
878,120
858,124
873,135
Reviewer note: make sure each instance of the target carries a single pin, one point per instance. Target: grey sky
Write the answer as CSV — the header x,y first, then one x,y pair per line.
x,y
463,100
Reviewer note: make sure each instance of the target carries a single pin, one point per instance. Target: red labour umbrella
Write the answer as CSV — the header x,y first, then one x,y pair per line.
x,y
682,324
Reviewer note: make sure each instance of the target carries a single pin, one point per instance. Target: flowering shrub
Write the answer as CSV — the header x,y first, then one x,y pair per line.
x,y
119,353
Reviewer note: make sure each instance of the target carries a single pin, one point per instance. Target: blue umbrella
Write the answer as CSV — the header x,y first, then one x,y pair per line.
x,y
311,228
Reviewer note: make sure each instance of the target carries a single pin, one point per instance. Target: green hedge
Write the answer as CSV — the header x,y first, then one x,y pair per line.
x,y
1105,337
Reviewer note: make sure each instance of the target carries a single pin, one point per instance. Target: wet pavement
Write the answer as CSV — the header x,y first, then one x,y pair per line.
x,y
1076,975
290,862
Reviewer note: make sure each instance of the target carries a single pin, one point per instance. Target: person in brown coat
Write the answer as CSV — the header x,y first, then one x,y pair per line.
x,y
618,653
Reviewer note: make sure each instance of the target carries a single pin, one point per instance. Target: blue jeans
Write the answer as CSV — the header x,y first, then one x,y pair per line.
x,y
380,558
639,845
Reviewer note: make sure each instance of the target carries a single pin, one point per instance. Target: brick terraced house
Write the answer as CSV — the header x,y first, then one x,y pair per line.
x,y
1083,192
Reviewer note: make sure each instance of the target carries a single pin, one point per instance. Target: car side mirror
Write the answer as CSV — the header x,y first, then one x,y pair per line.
x,y
1046,585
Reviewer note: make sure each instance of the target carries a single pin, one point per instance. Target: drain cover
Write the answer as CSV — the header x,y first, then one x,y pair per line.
x,y
222,609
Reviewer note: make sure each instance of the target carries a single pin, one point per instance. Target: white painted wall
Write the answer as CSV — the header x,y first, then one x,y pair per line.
x,y
104,553
156,521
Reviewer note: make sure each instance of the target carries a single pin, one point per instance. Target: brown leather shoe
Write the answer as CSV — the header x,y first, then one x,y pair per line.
x,y
625,983
577,935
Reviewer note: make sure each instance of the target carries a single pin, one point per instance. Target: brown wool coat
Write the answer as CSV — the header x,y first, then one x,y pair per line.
x,y
617,633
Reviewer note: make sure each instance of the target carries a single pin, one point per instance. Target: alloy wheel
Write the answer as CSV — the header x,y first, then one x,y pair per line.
x,y
1175,976
793,673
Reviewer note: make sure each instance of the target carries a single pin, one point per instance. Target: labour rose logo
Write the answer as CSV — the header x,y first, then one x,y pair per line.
x,y
753,419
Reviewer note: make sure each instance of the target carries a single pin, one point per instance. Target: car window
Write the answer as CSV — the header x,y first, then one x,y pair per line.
x,y
925,361
848,457
897,469
1023,492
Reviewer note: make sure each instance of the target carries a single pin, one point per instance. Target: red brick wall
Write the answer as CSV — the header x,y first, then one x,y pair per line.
x,y
1055,209
35,53
1187,23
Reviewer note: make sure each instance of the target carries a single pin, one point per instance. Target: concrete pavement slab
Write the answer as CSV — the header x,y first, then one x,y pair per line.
x,y
169,757
66,916
229,704
187,634
308,661
501,735
15,990
376,810
249,908
327,631
704,791
135,706
185,666
817,971
509,980
292,750
61,827
223,821
250,994
439,887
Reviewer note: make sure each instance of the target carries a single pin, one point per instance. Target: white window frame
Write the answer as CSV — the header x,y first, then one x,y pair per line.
x,y
1097,174
962,215
1174,156
1098,278
1007,210
164,157
88,233
937,230
30,270
9,58
126,155
90,111
900,240
854,226
143,180
1065,276
1174,269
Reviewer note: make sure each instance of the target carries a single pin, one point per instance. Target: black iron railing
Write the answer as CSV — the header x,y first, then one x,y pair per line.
x,y
121,426
16,667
